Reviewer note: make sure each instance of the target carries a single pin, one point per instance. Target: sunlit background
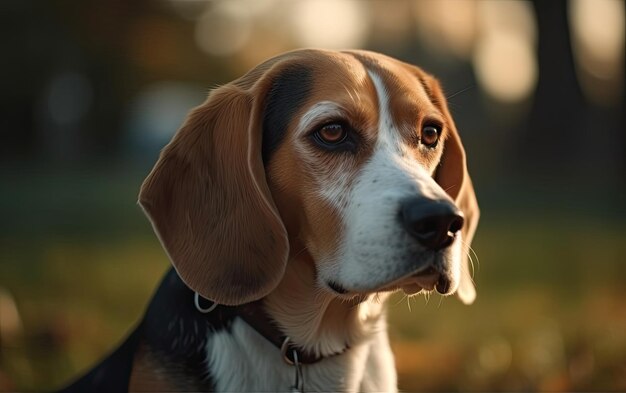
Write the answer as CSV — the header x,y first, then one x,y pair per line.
x,y
91,90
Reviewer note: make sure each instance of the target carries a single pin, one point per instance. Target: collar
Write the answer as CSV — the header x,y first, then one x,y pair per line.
x,y
256,317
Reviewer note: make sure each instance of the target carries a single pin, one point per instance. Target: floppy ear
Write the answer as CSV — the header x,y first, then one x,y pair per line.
x,y
453,177
209,202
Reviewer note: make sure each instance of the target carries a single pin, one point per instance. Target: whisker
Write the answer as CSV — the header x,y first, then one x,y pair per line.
x,y
473,252
463,90
400,301
467,252
471,276
476,256
471,261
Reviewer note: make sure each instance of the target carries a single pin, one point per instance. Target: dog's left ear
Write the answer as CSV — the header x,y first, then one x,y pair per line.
x,y
453,177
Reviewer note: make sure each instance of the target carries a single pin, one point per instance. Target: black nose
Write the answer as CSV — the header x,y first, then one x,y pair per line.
x,y
432,222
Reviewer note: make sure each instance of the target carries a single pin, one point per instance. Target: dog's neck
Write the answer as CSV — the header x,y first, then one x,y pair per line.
x,y
315,319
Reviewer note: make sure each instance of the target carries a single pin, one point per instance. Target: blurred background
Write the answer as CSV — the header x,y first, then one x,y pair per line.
x,y
91,91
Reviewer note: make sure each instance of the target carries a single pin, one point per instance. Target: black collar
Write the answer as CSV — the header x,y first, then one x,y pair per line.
x,y
256,317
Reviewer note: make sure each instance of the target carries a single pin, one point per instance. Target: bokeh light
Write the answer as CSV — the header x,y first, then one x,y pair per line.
x,y
598,27
157,113
68,99
10,321
504,59
447,26
598,31
224,28
333,24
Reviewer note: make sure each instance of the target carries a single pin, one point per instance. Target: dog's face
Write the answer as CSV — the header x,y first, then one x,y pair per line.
x,y
350,158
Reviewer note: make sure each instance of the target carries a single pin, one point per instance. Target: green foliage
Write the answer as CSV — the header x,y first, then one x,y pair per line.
x,y
549,314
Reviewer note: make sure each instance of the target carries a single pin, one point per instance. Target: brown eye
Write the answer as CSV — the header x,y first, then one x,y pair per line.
x,y
430,136
332,134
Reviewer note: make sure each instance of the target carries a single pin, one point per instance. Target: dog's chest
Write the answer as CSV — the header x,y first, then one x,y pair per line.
x,y
242,360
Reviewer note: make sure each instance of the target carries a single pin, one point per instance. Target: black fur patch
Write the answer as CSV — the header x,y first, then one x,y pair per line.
x,y
286,96
174,332
177,333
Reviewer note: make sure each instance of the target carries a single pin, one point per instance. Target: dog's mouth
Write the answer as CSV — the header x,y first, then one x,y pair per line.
x,y
428,279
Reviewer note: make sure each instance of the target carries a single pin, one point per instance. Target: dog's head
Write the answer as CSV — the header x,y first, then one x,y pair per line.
x,y
350,160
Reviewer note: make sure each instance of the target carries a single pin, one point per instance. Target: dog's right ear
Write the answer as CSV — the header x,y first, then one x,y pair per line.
x,y
452,175
209,202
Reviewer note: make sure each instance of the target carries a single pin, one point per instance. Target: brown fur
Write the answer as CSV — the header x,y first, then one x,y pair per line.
x,y
228,230
149,376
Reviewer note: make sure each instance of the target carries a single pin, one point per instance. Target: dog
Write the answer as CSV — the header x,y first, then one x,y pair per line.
x,y
291,203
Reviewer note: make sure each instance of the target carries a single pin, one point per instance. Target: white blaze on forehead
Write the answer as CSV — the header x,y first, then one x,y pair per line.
x,y
391,158
387,133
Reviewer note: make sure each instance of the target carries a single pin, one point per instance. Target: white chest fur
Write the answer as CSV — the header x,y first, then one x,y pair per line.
x,y
241,360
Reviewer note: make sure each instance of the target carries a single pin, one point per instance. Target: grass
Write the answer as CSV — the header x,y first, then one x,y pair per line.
x,y
549,316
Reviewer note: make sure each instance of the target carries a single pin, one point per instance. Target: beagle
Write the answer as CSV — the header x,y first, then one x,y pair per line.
x,y
296,199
